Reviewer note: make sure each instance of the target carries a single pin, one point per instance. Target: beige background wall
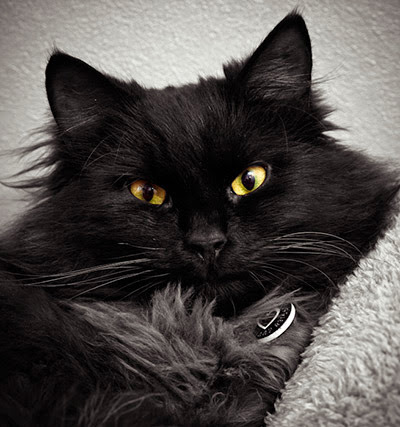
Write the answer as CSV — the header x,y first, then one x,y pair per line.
x,y
356,54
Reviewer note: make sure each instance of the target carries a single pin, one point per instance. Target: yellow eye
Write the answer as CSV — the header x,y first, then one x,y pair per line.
x,y
249,180
148,192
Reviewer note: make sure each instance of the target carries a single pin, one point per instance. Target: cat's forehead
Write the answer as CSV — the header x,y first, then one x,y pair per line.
x,y
187,114
180,131
192,130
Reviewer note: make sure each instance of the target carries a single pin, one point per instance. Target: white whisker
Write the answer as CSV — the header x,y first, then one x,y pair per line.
x,y
307,264
101,285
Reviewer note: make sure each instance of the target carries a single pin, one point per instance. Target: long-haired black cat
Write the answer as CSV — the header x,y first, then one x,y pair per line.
x,y
156,203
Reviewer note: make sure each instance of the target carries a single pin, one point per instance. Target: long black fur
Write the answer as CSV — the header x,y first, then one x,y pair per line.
x,y
83,342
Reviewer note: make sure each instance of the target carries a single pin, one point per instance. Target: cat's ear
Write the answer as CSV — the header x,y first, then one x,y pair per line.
x,y
280,68
77,93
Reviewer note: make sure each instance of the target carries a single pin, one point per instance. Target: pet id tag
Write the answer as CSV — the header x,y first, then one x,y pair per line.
x,y
275,325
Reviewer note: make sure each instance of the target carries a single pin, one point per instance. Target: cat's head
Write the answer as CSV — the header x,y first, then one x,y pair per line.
x,y
229,185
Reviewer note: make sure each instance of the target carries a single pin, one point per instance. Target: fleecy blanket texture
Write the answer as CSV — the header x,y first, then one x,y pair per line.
x,y
350,374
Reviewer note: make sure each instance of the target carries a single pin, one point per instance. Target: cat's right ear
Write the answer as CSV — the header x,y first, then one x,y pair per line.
x,y
78,95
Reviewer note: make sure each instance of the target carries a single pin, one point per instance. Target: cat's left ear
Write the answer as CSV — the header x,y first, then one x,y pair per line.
x,y
280,68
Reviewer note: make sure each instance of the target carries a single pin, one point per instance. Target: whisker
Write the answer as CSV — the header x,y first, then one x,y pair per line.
x,y
104,267
335,248
88,161
304,263
279,270
309,241
101,285
155,276
130,256
233,306
271,274
142,247
143,288
45,283
257,280
320,233
311,252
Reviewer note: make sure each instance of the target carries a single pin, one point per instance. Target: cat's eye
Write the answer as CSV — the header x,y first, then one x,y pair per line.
x,y
249,180
148,192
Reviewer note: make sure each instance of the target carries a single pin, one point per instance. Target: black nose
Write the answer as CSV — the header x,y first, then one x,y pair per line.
x,y
206,244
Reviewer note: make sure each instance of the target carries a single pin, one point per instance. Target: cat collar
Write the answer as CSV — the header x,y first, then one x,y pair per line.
x,y
276,324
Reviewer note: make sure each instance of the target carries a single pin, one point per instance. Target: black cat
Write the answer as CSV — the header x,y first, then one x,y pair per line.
x,y
230,187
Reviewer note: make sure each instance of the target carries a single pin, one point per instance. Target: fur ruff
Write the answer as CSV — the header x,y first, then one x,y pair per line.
x,y
161,365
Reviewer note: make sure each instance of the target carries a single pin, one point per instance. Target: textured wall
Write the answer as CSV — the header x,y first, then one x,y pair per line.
x,y
356,54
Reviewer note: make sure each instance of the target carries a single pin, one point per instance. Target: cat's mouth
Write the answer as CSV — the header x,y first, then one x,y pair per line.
x,y
216,283
212,276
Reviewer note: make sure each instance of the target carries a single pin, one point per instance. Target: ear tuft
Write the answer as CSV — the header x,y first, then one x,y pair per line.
x,y
280,68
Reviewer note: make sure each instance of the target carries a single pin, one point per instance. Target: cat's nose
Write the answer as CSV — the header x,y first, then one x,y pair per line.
x,y
207,244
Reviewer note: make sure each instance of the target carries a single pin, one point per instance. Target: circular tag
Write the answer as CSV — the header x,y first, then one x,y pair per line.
x,y
274,326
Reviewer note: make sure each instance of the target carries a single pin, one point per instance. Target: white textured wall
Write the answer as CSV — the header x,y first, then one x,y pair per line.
x,y
356,52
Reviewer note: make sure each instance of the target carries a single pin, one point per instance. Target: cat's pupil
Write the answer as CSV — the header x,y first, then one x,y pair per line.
x,y
248,180
147,192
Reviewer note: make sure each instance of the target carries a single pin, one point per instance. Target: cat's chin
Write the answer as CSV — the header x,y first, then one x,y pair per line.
x,y
232,294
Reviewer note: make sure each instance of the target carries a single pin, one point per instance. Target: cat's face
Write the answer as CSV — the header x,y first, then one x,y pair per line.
x,y
228,185
205,232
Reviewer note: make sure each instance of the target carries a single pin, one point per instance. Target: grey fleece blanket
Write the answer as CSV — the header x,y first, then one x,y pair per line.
x,y
350,375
